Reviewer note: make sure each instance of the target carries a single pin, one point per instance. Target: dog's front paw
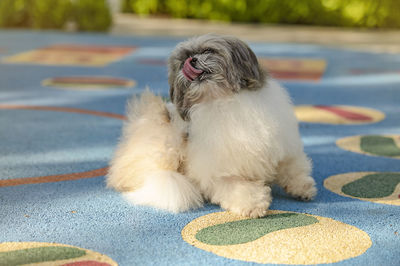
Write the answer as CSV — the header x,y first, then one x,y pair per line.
x,y
308,194
304,191
260,210
253,205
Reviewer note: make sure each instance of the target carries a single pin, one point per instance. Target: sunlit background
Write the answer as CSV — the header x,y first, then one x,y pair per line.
x,y
96,15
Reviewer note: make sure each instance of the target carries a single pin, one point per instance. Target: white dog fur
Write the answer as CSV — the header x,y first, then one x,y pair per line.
x,y
227,144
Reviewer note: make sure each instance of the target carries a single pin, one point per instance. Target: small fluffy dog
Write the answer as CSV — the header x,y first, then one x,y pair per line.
x,y
228,135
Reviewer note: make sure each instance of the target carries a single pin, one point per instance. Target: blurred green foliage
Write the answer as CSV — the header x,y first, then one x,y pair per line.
x,y
15,13
92,15
346,13
88,15
50,14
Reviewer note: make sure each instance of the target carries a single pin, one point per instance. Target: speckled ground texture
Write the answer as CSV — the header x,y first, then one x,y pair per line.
x,y
51,134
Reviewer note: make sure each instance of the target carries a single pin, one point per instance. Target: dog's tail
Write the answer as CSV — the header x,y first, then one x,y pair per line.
x,y
166,190
145,164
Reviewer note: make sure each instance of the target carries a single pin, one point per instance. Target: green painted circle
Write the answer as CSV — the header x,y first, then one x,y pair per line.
x,y
373,186
244,231
33,253
39,254
379,145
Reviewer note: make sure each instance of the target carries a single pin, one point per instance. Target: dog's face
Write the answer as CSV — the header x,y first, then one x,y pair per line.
x,y
209,67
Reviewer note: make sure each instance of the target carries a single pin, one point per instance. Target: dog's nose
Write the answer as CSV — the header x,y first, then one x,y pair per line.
x,y
193,61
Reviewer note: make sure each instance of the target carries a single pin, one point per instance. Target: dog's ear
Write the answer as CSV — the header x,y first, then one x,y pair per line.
x,y
170,78
176,93
172,69
171,91
178,99
252,76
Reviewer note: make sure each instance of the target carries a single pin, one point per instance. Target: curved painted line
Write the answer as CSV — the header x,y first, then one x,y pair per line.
x,y
64,109
151,61
88,81
289,75
102,49
61,177
53,178
86,263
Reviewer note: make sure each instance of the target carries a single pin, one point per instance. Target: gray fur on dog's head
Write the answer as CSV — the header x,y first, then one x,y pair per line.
x,y
228,66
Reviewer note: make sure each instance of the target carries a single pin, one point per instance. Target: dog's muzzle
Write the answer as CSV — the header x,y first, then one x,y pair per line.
x,y
189,71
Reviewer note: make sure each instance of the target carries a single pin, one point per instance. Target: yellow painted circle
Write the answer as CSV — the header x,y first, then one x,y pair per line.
x,y
335,184
326,241
352,143
337,114
43,254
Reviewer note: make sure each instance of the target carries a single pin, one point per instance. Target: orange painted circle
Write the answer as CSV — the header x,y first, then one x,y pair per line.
x,y
62,177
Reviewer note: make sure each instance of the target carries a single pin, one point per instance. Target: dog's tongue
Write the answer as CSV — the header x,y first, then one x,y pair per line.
x,y
189,71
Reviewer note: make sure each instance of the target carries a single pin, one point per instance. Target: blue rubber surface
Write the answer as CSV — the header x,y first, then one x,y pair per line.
x,y
84,213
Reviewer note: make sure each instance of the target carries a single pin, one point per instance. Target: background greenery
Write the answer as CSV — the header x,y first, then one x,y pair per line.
x,y
88,15
345,13
94,15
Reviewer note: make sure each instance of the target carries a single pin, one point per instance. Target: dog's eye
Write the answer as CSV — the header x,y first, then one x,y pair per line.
x,y
208,51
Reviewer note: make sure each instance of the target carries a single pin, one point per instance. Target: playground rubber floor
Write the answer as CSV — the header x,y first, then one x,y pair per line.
x,y
62,105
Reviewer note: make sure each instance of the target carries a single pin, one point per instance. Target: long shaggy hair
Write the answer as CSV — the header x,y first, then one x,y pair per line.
x,y
227,64
228,135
